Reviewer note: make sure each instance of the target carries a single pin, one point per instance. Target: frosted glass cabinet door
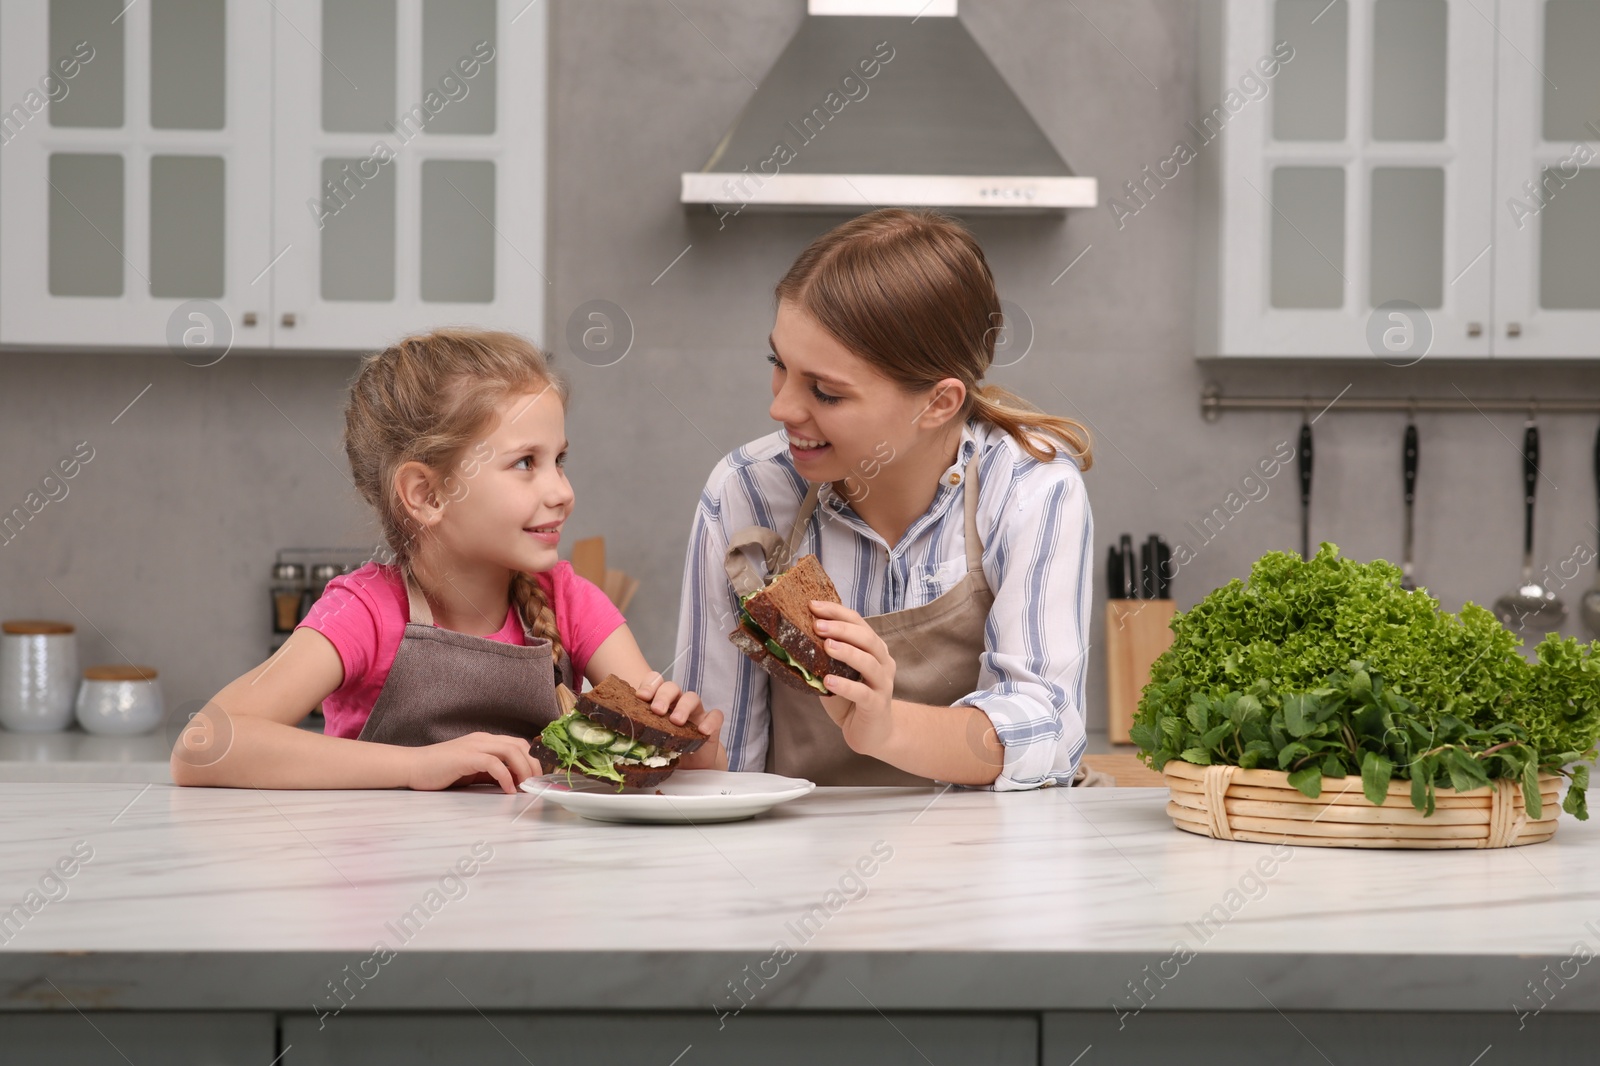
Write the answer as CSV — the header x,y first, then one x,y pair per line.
x,y
409,169
136,170
1547,206
1356,177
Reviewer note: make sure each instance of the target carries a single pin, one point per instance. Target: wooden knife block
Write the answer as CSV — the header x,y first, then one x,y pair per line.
x,y
1137,631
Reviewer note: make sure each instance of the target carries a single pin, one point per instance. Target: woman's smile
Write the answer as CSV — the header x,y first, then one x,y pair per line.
x,y
806,449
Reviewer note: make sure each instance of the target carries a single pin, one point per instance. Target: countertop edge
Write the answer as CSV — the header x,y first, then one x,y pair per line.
x,y
722,981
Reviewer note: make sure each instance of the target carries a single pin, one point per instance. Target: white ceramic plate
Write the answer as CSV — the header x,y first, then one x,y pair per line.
x,y
688,796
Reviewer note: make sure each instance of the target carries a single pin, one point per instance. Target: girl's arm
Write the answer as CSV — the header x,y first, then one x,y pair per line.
x,y
247,737
619,654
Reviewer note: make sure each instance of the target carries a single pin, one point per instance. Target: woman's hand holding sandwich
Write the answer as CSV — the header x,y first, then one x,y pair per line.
x,y
862,709
956,744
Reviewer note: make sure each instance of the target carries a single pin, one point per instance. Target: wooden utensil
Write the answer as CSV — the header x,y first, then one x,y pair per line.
x,y
589,559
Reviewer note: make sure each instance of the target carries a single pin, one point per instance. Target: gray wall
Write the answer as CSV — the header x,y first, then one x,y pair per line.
x,y
164,543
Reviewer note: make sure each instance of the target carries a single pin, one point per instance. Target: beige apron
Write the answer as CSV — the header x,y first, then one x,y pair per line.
x,y
445,684
935,648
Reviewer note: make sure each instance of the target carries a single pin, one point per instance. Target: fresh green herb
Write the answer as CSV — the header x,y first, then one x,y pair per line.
x,y
1327,668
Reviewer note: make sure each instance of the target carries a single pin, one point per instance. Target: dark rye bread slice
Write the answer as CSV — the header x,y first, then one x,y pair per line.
x,y
632,776
613,704
783,611
752,646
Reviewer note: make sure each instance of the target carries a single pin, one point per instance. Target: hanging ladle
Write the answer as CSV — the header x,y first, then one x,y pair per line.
x,y
1591,599
1408,464
1532,605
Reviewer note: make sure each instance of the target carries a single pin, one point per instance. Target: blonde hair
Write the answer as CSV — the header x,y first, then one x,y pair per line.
x,y
426,399
911,293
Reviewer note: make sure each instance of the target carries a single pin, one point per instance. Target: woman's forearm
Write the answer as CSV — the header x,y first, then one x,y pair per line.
x,y
956,744
244,751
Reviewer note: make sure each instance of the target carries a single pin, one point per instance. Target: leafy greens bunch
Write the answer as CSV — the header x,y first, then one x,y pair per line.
x,y
1326,668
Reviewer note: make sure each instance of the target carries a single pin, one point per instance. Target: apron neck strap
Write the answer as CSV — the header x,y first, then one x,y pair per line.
x,y
420,613
777,551
969,509
418,610
797,532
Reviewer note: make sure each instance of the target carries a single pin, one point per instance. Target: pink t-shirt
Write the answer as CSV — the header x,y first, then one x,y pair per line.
x,y
364,614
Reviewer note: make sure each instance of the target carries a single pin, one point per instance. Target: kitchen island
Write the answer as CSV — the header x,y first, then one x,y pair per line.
x,y
870,925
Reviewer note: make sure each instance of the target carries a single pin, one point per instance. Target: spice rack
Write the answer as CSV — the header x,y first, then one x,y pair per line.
x,y
298,577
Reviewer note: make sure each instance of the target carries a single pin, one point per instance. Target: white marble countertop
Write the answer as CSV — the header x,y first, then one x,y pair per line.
x,y
222,898
73,755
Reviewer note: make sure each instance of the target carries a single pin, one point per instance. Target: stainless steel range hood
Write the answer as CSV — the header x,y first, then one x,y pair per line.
x,y
866,109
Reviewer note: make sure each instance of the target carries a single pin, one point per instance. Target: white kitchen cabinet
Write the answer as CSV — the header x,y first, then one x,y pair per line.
x,y
451,228
1357,205
1547,207
136,170
329,175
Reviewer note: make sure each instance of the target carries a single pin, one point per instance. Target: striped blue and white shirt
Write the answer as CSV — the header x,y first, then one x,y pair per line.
x,y
1037,532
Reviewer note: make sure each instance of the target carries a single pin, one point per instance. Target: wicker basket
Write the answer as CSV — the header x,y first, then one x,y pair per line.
x,y
1230,803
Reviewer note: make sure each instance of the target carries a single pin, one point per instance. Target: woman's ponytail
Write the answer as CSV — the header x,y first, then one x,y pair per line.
x,y
1017,417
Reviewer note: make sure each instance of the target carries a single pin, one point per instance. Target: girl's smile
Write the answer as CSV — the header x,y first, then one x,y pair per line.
x,y
550,534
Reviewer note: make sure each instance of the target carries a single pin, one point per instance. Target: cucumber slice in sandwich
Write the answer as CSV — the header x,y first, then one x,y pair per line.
x,y
614,735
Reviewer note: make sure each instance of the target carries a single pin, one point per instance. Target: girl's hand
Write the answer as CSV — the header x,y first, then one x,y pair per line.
x,y
685,708
859,708
477,758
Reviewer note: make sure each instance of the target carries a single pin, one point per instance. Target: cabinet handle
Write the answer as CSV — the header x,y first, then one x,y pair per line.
x,y
1474,329
249,318
1513,329
287,319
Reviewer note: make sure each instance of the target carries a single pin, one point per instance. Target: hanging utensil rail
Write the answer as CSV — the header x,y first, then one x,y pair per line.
x,y
1213,403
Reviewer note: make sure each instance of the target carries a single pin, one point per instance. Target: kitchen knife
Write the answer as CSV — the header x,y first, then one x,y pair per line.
x,y
1163,570
1130,588
1305,490
1147,568
1114,574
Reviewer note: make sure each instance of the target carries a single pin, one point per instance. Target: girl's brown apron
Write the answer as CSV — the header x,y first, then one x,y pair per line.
x,y
935,648
445,684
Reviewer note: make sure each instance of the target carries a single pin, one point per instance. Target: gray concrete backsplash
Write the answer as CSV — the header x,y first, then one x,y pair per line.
x,y
160,550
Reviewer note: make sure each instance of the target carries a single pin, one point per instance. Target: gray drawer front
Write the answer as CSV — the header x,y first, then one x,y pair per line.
x,y
769,1040
115,1038
1315,1038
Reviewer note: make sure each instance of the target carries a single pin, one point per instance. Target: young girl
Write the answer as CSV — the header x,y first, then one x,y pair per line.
x,y
441,668
951,516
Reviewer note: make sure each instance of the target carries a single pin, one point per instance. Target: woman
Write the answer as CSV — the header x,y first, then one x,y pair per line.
x,y
951,516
